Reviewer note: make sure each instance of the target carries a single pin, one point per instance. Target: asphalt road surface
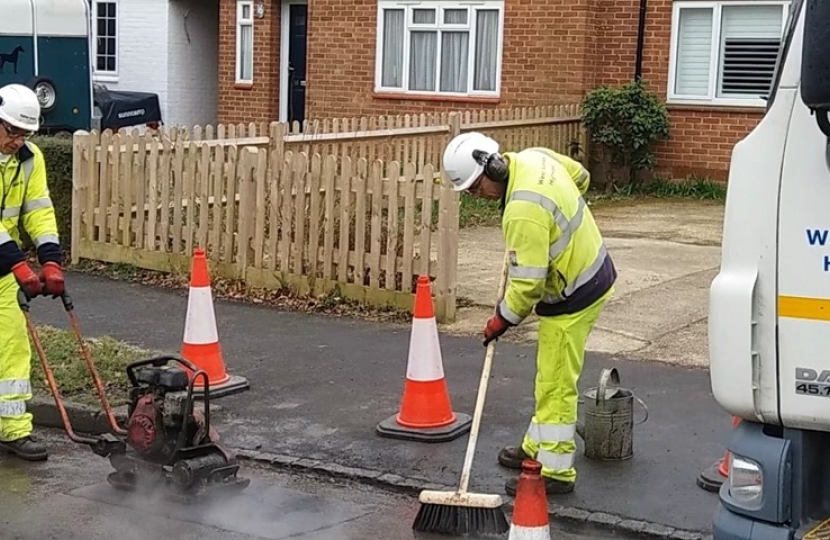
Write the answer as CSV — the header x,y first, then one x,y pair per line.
x,y
68,498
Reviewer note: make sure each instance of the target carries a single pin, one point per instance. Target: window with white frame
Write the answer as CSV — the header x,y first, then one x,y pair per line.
x,y
244,41
105,26
725,52
439,47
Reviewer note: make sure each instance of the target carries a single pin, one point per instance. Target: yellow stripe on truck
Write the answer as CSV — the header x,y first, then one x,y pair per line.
x,y
801,307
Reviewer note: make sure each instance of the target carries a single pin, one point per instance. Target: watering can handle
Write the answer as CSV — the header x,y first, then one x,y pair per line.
x,y
645,409
603,381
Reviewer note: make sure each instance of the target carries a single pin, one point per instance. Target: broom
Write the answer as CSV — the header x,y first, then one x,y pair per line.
x,y
461,512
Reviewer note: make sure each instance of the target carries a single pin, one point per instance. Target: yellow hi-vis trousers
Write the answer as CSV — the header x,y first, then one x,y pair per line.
x,y
559,359
15,364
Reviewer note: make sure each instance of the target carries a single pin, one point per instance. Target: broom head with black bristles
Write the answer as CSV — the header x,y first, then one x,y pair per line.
x,y
454,513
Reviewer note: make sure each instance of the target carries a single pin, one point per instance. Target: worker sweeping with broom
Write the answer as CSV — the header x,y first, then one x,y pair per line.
x,y
557,263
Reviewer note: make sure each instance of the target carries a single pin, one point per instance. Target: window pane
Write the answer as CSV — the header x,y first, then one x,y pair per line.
x,y
422,55
694,49
750,39
423,16
486,51
393,37
455,16
454,60
246,12
246,59
111,9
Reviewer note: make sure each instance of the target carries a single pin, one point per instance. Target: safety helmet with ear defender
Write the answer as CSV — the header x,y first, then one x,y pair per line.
x,y
465,158
19,107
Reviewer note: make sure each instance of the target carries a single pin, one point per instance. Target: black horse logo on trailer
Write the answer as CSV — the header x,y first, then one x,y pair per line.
x,y
11,58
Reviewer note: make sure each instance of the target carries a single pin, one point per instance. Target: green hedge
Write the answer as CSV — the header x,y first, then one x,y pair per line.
x,y
57,151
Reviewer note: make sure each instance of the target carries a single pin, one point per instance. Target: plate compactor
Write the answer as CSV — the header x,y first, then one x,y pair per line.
x,y
167,442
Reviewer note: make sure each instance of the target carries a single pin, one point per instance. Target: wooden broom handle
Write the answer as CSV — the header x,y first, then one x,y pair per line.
x,y
482,393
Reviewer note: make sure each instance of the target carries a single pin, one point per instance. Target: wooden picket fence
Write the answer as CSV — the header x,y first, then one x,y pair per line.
x,y
357,208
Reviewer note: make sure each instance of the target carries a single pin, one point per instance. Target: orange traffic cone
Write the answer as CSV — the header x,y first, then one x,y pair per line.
x,y
426,412
200,344
713,477
530,519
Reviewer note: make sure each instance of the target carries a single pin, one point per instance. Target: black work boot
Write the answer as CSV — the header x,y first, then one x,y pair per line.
x,y
552,486
25,448
512,457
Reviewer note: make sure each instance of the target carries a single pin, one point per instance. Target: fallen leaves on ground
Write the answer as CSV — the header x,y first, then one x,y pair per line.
x,y
237,290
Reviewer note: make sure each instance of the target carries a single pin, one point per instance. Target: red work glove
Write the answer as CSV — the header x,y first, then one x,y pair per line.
x,y
496,326
52,277
27,279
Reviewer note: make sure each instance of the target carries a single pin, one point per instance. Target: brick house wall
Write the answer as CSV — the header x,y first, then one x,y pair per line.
x,y
259,101
701,137
341,83
553,52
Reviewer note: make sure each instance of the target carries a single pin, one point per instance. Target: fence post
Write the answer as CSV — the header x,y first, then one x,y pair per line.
x,y
247,208
80,185
448,216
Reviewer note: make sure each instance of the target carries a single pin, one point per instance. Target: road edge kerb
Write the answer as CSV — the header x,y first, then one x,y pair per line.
x,y
86,419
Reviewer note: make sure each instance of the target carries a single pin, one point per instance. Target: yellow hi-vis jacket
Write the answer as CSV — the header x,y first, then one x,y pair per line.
x,y
557,258
24,197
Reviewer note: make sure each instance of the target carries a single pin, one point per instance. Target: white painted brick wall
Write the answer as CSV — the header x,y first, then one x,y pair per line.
x,y
142,49
154,56
193,71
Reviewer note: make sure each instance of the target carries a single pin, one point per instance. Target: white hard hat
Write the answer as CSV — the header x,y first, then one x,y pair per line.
x,y
460,163
19,107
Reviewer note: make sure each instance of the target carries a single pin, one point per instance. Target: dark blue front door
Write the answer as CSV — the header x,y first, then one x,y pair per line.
x,y
296,61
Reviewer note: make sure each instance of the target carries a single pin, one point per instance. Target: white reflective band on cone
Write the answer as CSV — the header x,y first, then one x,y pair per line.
x,y
200,326
520,532
424,352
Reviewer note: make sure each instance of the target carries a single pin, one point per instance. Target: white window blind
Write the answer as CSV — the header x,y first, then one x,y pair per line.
x,y
439,47
725,52
694,51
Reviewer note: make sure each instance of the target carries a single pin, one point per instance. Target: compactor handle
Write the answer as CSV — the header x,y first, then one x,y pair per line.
x,y
23,300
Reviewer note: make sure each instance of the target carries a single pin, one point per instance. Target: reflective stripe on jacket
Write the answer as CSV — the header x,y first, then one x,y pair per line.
x,y
557,258
25,200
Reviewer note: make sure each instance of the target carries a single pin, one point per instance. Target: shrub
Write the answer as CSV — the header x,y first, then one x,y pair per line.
x,y
626,122
57,152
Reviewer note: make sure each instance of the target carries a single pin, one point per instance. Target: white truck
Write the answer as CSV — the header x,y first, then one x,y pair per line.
x,y
769,311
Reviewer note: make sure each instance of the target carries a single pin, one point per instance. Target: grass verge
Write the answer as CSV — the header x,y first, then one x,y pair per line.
x,y
71,373
480,212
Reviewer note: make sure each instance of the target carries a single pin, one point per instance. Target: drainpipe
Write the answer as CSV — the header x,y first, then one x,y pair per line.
x,y
641,30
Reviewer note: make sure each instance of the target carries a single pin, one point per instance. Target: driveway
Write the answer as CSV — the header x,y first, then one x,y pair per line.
x,y
666,252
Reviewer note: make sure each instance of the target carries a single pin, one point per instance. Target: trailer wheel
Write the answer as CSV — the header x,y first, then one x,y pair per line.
x,y
46,93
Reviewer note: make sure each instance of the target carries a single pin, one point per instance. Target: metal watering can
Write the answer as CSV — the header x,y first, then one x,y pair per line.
x,y
607,430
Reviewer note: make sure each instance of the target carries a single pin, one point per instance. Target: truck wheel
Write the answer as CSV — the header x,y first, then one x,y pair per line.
x,y
46,93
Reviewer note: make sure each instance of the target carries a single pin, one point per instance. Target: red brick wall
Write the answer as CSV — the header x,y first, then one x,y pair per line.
x,y
545,60
256,102
554,51
701,138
